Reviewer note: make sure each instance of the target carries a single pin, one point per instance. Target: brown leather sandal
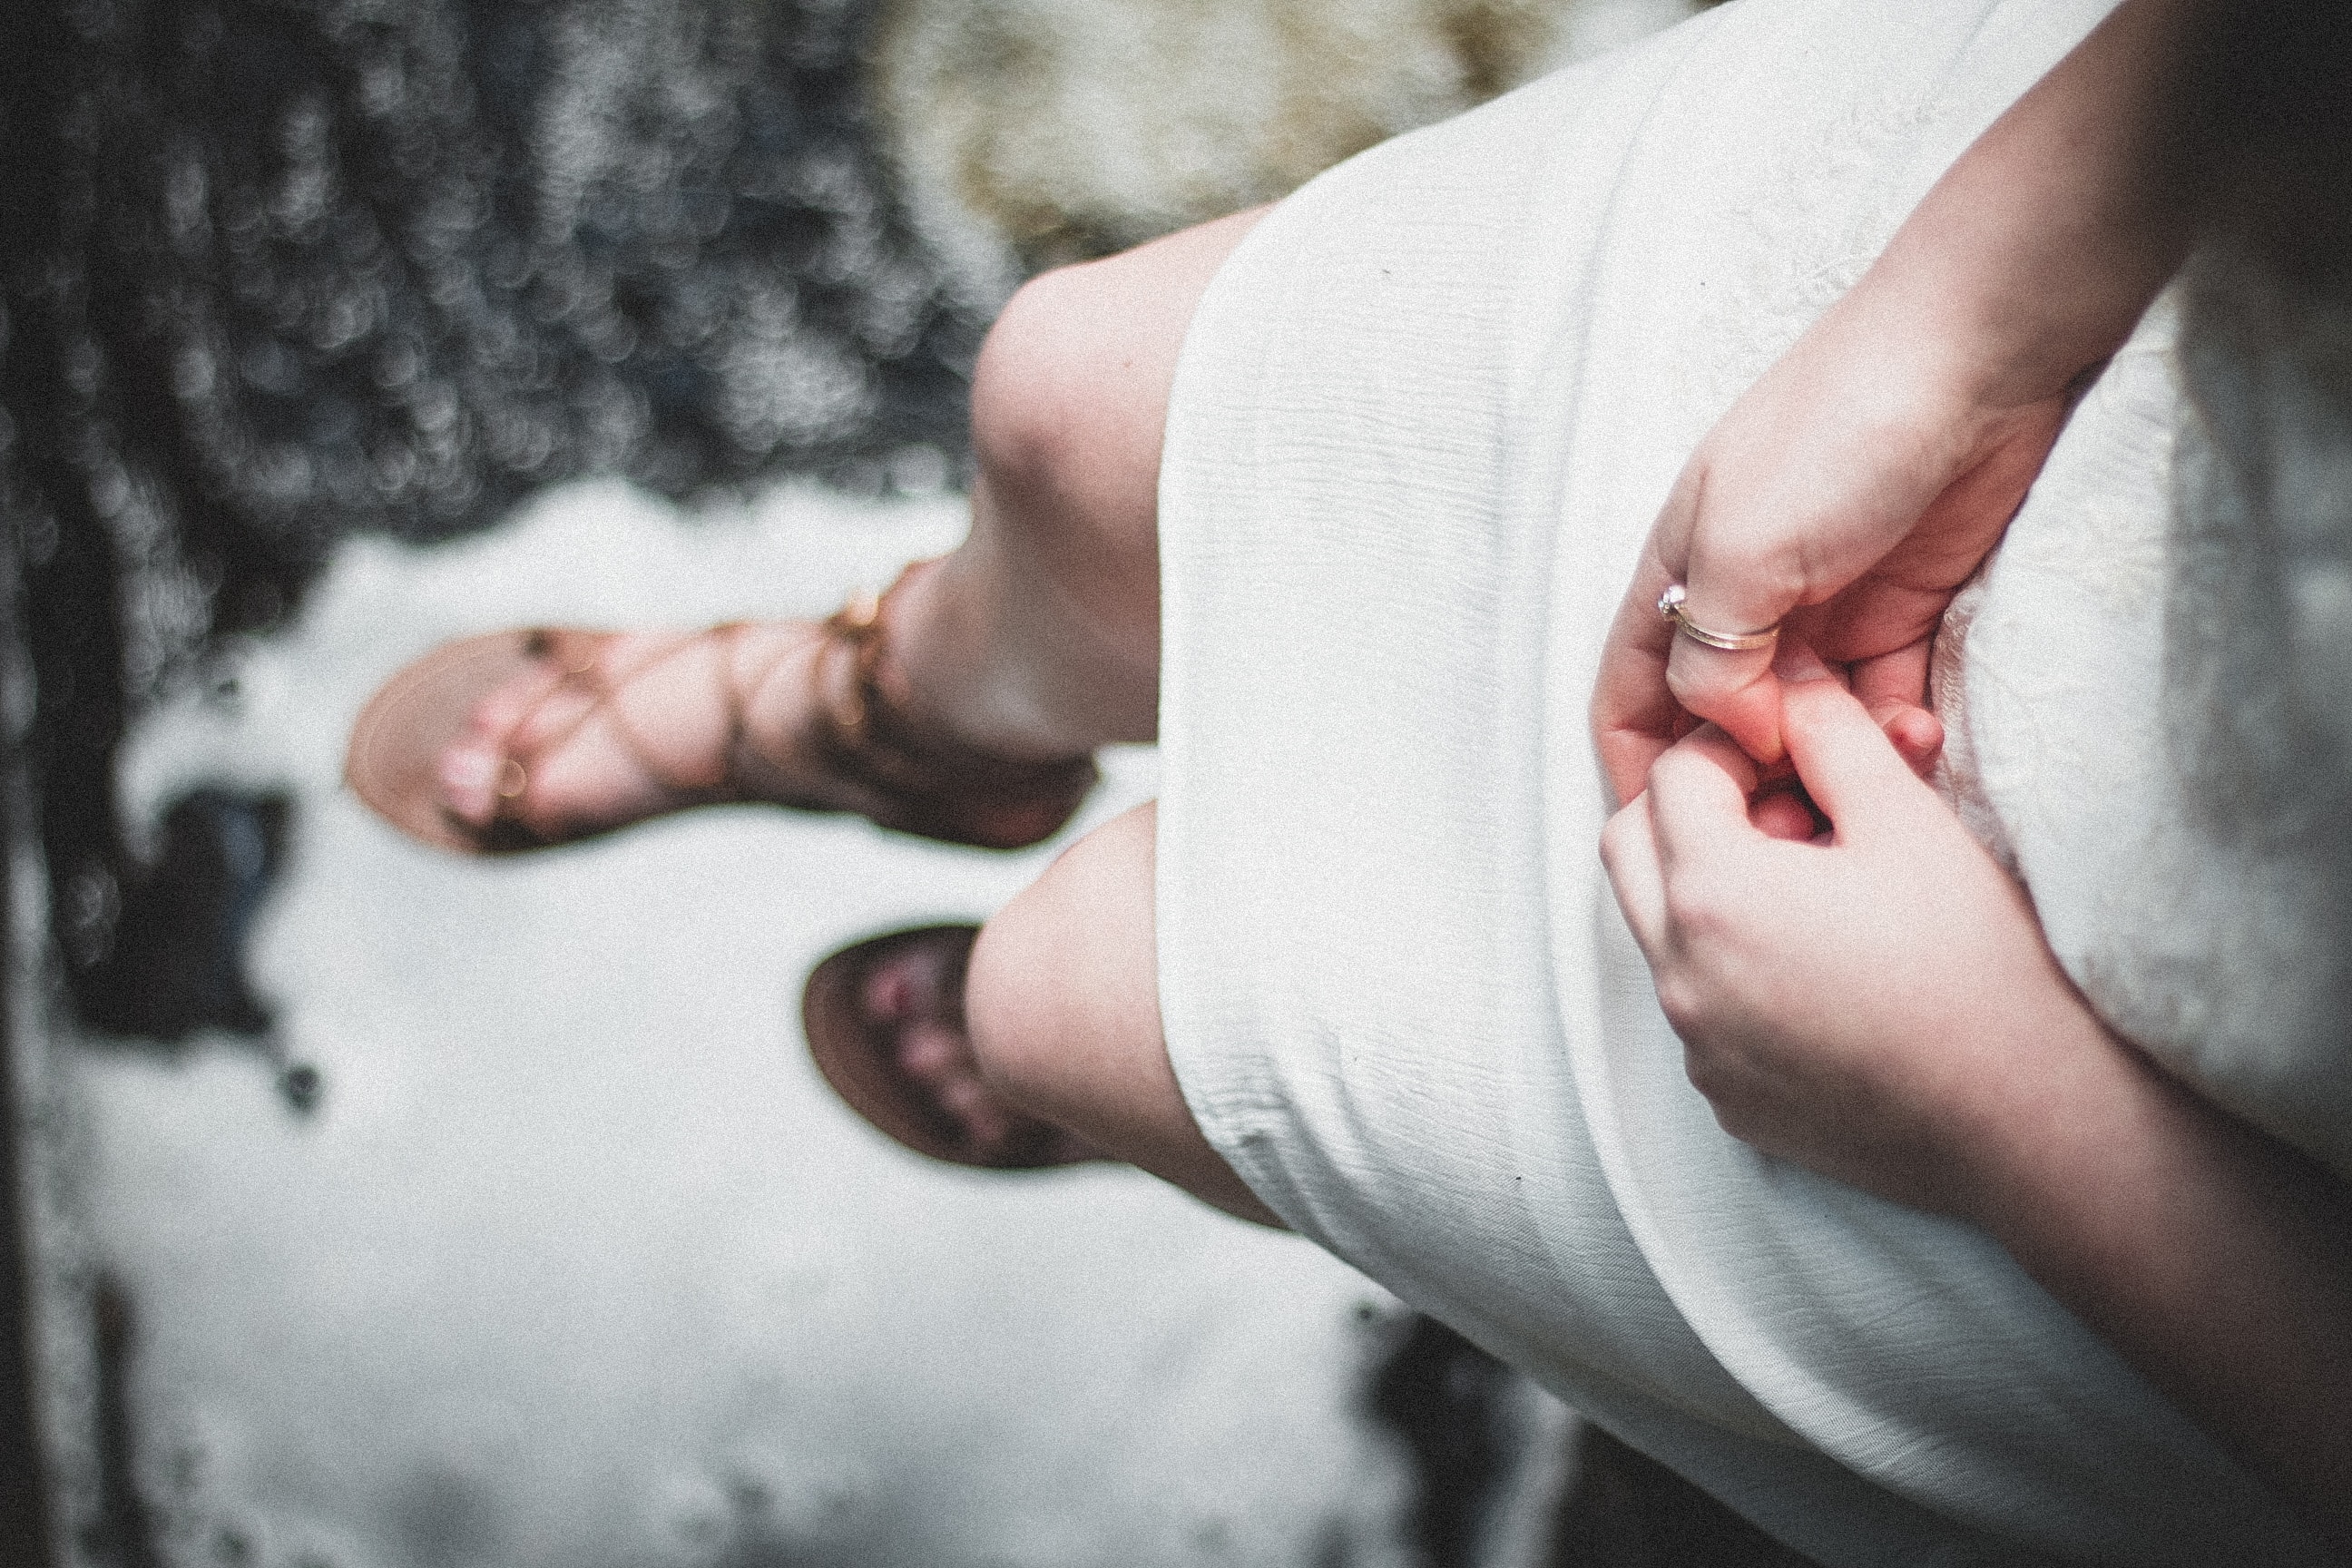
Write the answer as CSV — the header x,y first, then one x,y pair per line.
x,y
861,1055
930,786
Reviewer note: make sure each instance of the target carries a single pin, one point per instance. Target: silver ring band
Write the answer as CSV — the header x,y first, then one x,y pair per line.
x,y
1670,609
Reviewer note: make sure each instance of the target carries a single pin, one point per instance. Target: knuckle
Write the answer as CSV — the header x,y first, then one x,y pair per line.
x,y
1617,847
1699,911
1689,678
1707,1074
1769,556
1733,1119
1723,1088
1674,773
1712,682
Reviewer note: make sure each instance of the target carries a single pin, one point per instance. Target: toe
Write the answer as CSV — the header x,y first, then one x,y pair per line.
x,y
986,1124
469,777
933,1057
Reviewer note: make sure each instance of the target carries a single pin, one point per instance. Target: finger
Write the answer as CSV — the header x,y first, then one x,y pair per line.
x,y
1893,688
1917,734
1698,799
1783,814
1733,580
1634,714
1734,689
1628,852
1793,658
1854,773
1900,676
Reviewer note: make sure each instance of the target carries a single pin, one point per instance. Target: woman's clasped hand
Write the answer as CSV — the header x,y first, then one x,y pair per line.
x,y
1860,987
1873,999
1850,491
1847,496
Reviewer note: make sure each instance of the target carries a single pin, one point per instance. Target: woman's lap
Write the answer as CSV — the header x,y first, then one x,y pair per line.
x,y
1424,419
1382,984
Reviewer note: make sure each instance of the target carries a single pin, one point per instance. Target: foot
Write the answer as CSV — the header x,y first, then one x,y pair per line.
x,y
587,732
597,729
885,1023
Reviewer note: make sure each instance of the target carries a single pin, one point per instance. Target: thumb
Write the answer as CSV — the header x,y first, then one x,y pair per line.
x,y
1847,763
1737,692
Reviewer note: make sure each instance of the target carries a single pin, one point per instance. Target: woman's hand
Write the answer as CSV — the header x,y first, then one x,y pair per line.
x,y
1856,486
1875,1002
1847,495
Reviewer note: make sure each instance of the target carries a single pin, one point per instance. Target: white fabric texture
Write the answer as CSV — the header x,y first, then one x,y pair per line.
x,y
1424,419
2121,685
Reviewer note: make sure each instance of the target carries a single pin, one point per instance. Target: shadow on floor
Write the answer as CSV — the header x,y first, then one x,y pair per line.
x,y
1627,1510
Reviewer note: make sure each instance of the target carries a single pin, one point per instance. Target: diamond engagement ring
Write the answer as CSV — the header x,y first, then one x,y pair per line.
x,y
1670,609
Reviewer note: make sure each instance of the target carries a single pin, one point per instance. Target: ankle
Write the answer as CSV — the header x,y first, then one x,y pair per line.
x,y
942,667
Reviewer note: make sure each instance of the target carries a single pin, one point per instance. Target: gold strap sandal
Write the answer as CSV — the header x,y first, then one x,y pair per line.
x,y
905,780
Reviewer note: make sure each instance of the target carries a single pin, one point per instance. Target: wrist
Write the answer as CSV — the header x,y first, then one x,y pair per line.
x,y
1954,349
2069,1111
2038,249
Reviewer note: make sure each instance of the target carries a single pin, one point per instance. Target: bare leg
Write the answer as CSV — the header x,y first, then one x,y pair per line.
x,y
1063,1004
1038,638
1041,634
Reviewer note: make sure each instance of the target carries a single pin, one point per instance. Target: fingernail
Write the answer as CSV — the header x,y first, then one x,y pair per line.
x,y
1797,662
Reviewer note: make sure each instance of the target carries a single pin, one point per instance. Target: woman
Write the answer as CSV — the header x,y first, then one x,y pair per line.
x,y
1356,975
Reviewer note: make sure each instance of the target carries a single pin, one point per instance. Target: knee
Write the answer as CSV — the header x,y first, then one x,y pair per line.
x,y
1062,994
1069,402
1029,409
1070,395
1061,1005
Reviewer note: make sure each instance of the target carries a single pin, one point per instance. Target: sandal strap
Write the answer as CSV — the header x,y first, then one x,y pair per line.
x,y
936,786
921,782
603,691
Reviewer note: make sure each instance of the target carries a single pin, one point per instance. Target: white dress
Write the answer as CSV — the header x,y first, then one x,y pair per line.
x,y
1424,419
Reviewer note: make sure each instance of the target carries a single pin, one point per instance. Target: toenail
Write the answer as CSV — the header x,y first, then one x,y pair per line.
x,y
889,995
466,769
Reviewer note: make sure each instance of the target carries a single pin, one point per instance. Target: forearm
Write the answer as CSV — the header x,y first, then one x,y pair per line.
x,y
2041,246
2215,1260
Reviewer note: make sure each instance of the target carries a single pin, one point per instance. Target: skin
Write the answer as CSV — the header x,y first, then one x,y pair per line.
x,y
1064,1005
1853,489
1847,495
1968,1077
1037,637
